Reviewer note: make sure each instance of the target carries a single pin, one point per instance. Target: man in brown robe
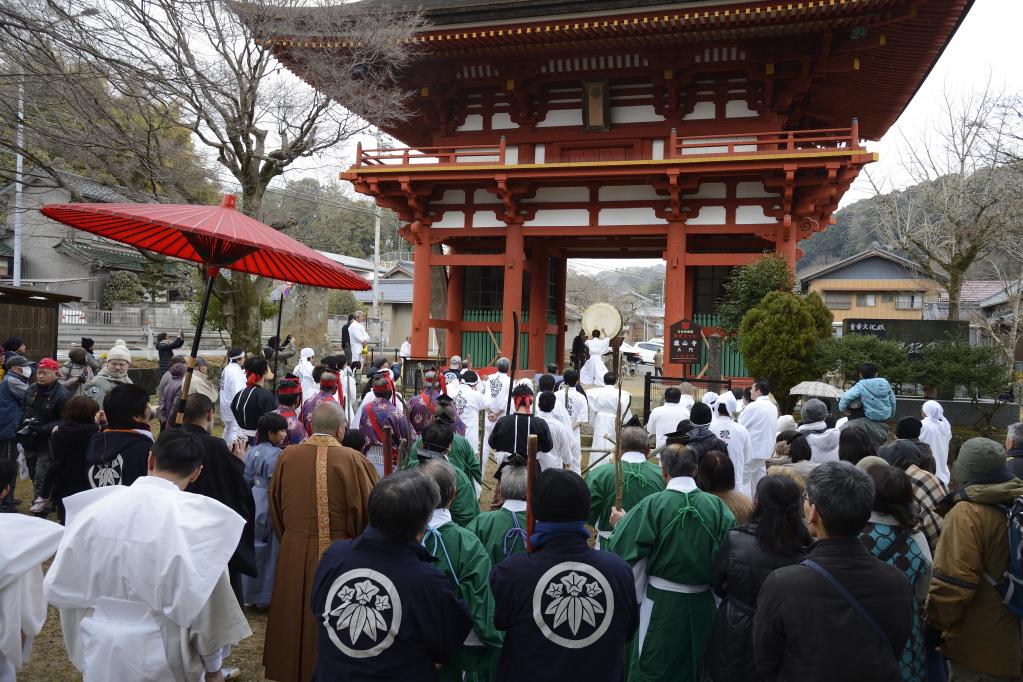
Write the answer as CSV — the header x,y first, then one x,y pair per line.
x,y
318,494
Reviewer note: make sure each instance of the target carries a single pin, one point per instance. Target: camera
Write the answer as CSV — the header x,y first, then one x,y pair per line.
x,y
30,427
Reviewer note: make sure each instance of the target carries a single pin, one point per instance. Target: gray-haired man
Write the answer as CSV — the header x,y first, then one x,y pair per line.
x,y
840,615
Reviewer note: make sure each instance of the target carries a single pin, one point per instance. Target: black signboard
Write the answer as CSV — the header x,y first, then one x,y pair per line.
x,y
685,342
913,334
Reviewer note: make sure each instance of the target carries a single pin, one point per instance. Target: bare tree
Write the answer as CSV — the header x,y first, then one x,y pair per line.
x,y
964,206
1002,322
210,66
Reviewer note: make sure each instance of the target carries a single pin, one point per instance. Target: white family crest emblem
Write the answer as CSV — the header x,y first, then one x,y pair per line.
x,y
460,403
573,605
102,475
362,613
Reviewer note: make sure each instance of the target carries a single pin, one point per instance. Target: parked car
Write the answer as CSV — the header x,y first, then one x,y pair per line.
x,y
643,351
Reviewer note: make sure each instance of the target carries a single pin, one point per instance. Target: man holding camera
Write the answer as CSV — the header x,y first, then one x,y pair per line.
x,y
41,411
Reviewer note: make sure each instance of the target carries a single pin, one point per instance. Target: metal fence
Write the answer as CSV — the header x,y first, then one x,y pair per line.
x,y
117,318
653,388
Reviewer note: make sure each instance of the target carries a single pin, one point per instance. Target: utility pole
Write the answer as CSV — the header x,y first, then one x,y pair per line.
x,y
19,166
376,255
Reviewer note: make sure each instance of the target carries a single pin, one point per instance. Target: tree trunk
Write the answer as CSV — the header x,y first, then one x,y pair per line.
x,y
955,287
241,310
305,318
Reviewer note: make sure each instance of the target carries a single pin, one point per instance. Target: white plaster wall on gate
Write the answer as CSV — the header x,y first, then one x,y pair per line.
x,y
701,111
562,117
502,120
739,108
559,195
628,193
486,219
644,113
451,219
710,190
753,215
452,196
472,123
708,215
753,190
629,216
560,218
482,196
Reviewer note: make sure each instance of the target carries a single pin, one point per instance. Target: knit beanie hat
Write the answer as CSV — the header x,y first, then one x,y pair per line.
x,y
177,371
560,495
119,352
814,410
900,453
786,423
908,427
13,343
700,414
871,461
87,343
77,355
977,458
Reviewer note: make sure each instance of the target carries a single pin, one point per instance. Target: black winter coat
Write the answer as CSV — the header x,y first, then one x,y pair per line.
x,y
165,349
702,440
118,457
45,404
68,445
805,630
740,568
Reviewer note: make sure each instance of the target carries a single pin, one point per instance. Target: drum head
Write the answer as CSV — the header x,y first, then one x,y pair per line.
x,y
603,317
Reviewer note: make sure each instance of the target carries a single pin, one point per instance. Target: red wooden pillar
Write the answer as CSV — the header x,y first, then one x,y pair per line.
x,y
512,299
538,282
785,244
674,289
456,302
560,303
421,295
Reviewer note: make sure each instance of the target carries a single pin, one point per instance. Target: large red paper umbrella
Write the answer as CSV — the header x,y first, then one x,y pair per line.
x,y
216,236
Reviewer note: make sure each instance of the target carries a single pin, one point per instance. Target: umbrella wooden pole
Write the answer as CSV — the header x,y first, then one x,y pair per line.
x,y
386,447
531,448
211,276
277,350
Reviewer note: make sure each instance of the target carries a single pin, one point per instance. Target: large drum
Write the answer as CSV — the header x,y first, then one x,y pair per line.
x,y
603,317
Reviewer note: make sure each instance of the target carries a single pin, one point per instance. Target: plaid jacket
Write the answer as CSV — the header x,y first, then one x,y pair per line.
x,y
929,492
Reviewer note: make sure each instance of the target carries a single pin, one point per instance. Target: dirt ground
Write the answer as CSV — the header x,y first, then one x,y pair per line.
x,y
49,662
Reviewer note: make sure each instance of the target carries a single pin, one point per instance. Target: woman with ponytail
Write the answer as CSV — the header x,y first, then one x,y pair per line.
x,y
775,537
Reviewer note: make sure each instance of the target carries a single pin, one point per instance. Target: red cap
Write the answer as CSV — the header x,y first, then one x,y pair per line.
x,y
48,363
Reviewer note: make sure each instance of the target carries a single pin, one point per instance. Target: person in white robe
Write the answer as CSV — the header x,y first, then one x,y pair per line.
x,y
604,405
405,352
141,579
358,336
937,432
232,381
594,370
25,543
724,426
560,456
578,408
664,419
347,393
496,390
761,420
469,402
304,371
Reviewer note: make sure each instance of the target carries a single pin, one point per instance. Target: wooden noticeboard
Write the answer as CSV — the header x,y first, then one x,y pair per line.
x,y
684,342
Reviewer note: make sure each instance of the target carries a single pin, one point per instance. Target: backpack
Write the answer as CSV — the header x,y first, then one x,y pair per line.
x,y
1010,586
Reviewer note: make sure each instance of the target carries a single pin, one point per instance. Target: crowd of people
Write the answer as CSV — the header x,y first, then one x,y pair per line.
x,y
722,541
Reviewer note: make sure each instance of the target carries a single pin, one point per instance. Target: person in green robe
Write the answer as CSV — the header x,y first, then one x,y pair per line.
x,y
503,531
460,455
437,439
670,539
639,479
463,559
